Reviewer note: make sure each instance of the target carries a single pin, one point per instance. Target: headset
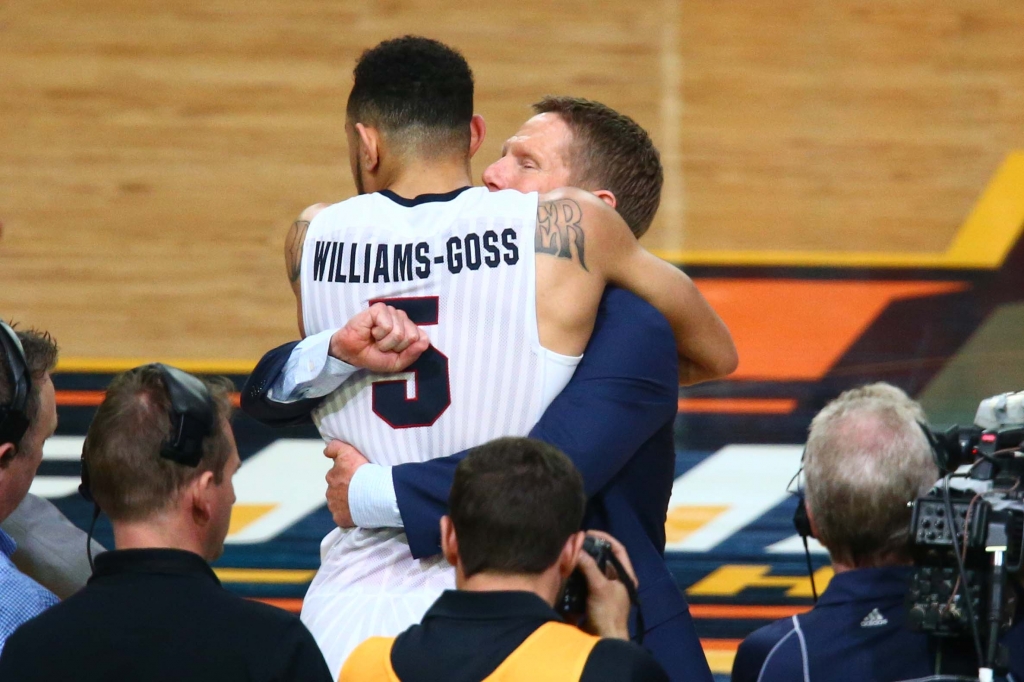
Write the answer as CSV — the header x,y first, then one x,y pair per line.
x,y
14,419
801,520
192,417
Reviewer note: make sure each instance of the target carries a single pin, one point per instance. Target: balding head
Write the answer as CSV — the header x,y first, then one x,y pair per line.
x,y
867,457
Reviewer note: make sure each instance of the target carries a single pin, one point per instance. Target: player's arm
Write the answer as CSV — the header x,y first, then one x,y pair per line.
x,y
584,229
293,255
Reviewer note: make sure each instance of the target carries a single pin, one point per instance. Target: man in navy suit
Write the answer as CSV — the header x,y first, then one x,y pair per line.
x,y
614,419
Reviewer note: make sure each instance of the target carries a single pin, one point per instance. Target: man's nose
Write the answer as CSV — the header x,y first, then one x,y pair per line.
x,y
494,178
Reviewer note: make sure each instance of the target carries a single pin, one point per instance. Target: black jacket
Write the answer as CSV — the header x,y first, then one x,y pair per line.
x,y
161,615
465,636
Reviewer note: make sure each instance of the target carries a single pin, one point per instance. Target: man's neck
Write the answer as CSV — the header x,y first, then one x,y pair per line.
x,y
158,533
546,585
422,176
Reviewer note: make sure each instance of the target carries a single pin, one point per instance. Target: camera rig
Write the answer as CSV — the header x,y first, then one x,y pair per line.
x,y
967,534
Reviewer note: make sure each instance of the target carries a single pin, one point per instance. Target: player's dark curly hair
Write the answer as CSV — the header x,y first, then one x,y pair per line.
x,y
414,85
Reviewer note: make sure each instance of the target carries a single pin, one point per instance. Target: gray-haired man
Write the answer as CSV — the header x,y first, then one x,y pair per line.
x,y
867,457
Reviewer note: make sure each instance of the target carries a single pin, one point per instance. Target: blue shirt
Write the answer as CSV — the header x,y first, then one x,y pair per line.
x,y
856,631
21,598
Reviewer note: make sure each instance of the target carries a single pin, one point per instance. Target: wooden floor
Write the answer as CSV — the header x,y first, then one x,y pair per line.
x,y
152,153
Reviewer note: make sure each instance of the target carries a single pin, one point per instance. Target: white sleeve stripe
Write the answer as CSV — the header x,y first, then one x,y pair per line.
x,y
803,649
771,653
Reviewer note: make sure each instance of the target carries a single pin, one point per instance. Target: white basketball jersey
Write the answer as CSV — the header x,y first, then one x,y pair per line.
x,y
462,267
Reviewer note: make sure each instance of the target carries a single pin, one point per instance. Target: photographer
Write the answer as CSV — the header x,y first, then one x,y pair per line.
x,y
516,507
159,460
867,457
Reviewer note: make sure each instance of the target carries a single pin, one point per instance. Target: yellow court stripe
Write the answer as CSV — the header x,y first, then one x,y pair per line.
x,y
983,241
720,661
277,576
114,365
997,221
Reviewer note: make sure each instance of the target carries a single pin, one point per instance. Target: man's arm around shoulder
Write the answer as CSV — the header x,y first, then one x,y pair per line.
x,y
616,401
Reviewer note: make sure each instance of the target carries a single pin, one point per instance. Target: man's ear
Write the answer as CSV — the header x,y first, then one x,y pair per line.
x,y
203,495
570,555
369,147
477,132
810,520
7,452
449,542
607,197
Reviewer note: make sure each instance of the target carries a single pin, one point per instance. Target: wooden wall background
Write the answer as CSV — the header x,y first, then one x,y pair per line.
x,y
153,153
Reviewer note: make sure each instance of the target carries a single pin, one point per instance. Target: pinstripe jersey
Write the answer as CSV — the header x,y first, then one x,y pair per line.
x,y
462,267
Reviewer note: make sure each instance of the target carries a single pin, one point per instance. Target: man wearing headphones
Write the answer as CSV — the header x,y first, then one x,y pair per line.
x,y
866,458
158,460
28,416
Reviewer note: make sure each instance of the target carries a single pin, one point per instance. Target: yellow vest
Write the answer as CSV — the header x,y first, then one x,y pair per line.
x,y
555,652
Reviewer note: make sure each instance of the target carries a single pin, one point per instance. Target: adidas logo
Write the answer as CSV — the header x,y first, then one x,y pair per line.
x,y
874,619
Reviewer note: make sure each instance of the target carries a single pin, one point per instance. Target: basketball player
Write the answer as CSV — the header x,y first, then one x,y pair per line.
x,y
507,283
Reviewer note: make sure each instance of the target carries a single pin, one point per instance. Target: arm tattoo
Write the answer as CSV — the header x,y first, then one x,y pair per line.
x,y
558,228
296,237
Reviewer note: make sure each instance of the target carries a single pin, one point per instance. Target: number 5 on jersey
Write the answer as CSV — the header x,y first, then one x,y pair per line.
x,y
430,375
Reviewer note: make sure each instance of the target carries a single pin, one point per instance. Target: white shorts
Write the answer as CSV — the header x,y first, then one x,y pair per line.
x,y
369,585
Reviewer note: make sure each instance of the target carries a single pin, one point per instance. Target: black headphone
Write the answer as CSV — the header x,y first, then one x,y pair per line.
x,y
14,417
192,418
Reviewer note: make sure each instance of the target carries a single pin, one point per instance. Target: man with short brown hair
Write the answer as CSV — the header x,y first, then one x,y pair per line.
x,y
159,460
513,536
602,150
127,482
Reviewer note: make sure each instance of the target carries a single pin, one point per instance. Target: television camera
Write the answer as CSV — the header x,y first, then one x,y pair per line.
x,y
967,534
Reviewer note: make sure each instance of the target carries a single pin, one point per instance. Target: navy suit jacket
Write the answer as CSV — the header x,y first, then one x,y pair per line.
x,y
615,421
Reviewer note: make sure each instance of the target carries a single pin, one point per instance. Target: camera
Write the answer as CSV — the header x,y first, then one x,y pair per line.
x,y
573,600
967,533
998,425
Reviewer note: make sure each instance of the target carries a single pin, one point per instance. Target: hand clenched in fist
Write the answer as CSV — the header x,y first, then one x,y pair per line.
x,y
380,339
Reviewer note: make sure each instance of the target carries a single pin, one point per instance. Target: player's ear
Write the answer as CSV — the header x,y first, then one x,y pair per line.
x,y
477,132
606,196
369,147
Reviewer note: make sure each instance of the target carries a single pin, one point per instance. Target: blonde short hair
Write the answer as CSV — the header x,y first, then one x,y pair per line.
x,y
866,458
